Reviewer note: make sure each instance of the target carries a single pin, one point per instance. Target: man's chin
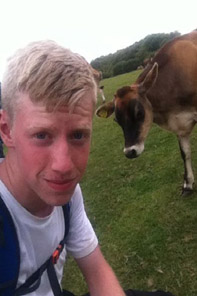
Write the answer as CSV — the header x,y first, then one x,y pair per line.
x,y
59,199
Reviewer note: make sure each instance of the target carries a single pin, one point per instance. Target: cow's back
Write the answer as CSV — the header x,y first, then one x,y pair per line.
x,y
176,84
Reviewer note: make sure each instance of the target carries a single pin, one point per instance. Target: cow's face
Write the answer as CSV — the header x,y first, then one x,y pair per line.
x,y
133,112
134,115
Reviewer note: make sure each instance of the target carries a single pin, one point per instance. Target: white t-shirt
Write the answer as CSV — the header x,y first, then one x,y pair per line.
x,y
39,237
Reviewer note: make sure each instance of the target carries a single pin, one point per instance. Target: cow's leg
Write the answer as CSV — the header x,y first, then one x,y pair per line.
x,y
184,144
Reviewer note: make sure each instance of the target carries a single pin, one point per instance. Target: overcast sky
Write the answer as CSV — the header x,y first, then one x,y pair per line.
x,y
89,27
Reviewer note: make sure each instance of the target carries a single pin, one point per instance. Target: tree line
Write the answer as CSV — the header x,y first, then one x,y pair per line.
x,y
132,57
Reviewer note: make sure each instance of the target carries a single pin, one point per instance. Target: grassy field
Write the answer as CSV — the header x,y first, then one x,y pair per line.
x,y
147,231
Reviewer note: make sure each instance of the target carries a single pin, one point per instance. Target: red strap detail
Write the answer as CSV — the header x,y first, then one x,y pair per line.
x,y
56,254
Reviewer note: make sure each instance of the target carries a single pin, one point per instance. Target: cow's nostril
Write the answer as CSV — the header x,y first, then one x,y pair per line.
x,y
131,153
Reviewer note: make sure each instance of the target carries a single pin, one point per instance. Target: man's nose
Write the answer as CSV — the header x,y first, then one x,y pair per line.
x,y
61,158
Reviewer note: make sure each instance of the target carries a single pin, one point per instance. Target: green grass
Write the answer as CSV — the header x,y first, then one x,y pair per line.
x,y
147,231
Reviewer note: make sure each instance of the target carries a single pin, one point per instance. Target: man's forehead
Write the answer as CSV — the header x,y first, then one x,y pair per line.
x,y
35,114
85,100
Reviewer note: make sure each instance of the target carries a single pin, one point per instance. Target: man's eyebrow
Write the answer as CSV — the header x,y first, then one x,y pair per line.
x,y
85,127
41,127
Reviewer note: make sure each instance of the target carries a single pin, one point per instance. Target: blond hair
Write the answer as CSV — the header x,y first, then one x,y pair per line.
x,y
49,73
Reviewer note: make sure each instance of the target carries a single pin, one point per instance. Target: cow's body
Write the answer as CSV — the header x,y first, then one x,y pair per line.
x,y
174,95
166,93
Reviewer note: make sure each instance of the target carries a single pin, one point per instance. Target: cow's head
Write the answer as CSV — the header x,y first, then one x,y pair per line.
x,y
133,112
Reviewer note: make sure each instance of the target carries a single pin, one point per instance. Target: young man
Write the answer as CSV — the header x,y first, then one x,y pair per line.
x,y
48,101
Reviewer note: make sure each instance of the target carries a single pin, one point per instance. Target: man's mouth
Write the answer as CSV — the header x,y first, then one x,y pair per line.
x,y
61,185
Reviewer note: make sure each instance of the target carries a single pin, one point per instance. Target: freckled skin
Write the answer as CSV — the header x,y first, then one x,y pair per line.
x,y
47,153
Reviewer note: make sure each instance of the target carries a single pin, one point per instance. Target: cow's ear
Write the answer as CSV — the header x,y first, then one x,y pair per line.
x,y
149,80
106,110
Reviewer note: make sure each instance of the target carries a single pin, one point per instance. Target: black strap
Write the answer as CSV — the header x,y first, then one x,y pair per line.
x,y
57,291
33,282
2,237
9,252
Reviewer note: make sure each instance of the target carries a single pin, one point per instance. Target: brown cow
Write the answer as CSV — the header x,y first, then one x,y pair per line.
x,y
164,93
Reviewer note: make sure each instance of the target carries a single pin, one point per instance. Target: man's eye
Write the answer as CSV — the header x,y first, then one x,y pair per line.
x,y
41,136
78,135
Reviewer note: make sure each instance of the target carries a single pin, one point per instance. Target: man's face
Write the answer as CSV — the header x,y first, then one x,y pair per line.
x,y
50,149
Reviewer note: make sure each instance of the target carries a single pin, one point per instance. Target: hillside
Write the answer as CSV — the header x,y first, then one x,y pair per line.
x,y
130,58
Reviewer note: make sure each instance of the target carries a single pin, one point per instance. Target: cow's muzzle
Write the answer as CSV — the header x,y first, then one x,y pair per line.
x,y
134,151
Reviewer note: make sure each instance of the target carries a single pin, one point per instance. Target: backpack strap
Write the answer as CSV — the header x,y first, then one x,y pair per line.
x,y
9,252
33,282
57,291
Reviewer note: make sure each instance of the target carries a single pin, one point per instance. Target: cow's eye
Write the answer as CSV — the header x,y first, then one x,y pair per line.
x,y
139,111
140,115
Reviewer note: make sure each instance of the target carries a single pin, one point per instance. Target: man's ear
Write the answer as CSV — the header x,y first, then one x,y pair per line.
x,y
106,110
5,128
